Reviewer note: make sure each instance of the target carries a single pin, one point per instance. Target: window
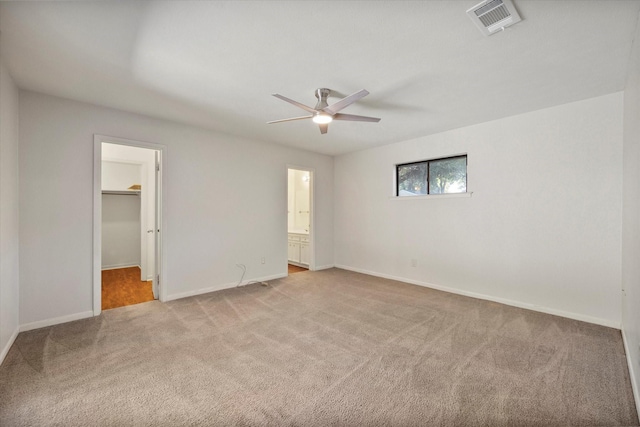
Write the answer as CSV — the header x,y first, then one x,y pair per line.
x,y
438,176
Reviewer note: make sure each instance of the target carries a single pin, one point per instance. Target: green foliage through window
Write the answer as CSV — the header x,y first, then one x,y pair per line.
x,y
438,176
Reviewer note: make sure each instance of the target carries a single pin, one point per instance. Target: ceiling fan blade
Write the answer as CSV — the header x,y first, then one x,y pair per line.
x,y
324,128
355,118
345,102
289,119
296,103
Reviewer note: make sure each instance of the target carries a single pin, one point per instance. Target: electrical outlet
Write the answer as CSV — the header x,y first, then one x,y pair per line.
x,y
263,260
414,262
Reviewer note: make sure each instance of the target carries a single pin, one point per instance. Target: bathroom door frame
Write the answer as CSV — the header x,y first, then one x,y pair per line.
x,y
160,275
312,208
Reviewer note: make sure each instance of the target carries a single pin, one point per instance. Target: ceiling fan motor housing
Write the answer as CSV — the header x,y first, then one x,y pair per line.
x,y
322,94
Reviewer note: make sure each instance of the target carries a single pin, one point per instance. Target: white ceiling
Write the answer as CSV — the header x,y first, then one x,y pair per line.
x,y
215,63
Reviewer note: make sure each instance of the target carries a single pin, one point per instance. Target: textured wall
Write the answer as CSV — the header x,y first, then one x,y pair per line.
x,y
121,242
631,218
542,229
9,301
226,203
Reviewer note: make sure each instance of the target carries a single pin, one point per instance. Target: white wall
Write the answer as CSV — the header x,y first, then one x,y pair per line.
x,y
118,176
121,228
8,212
226,204
631,218
122,233
541,230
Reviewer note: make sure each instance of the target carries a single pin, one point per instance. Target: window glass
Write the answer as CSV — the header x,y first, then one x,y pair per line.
x,y
412,179
448,175
438,176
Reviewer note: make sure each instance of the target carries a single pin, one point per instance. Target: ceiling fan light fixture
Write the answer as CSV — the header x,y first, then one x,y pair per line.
x,y
322,119
323,113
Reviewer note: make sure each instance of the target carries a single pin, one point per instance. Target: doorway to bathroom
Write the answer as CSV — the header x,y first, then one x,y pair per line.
x,y
300,220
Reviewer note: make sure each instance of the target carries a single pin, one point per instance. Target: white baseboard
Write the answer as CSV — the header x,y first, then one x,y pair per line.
x,y
632,373
519,304
323,267
221,287
55,321
117,266
6,348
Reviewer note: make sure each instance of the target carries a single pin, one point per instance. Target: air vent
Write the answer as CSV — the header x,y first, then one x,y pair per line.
x,y
492,16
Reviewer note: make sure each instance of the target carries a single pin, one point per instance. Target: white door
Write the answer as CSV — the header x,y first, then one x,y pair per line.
x,y
156,229
144,221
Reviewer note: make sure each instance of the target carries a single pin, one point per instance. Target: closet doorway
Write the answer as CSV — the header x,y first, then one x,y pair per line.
x,y
300,240
127,223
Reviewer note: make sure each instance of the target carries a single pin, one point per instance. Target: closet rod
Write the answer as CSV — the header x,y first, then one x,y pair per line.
x,y
128,193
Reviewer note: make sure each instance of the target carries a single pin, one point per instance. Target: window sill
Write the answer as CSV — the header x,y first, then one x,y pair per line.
x,y
433,196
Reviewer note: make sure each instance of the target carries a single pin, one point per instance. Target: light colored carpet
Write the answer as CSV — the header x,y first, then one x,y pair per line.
x,y
315,349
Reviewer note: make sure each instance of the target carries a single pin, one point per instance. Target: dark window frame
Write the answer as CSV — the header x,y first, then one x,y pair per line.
x,y
428,162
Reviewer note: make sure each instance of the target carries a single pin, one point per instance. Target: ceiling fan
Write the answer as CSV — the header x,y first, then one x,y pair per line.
x,y
323,113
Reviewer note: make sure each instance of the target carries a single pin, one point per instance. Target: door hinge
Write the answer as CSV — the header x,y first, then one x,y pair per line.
x,y
158,280
157,167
